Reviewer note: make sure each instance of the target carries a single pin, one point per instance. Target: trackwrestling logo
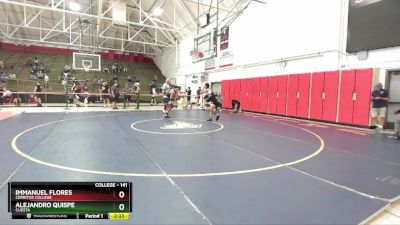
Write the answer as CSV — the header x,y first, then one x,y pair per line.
x,y
180,125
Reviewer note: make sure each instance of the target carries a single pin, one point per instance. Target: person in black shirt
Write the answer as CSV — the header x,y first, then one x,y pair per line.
x,y
215,105
115,95
188,98
38,89
235,105
380,98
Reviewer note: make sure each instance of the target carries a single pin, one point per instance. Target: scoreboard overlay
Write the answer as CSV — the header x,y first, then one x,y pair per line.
x,y
70,200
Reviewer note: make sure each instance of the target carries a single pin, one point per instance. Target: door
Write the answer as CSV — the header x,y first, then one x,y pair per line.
x,y
303,102
362,102
256,94
292,94
346,104
331,86
272,94
282,94
264,83
317,88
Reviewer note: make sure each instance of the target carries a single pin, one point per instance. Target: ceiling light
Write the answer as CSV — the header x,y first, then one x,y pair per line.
x,y
157,12
74,6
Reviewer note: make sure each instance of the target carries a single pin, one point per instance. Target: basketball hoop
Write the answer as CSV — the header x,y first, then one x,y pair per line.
x,y
196,55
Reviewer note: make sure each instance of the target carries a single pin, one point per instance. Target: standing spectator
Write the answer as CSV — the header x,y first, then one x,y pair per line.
x,y
397,124
153,89
105,91
128,90
188,98
1,65
115,95
198,93
380,98
38,97
137,94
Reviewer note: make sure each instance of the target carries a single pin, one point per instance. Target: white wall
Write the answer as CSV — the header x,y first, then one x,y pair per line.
x,y
281,29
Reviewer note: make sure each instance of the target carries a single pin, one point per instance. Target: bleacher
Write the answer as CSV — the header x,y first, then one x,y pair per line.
x,y
55,64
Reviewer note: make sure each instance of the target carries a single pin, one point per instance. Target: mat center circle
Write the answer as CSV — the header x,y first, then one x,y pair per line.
x,y
176,126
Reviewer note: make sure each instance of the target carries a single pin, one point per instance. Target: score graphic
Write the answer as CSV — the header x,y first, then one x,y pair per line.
x,y
70,200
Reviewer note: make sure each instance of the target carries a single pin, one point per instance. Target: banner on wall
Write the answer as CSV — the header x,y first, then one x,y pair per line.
x,y
210,64
224,39
226,59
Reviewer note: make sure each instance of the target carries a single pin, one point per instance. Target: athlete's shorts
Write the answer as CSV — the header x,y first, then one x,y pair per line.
x,y
166,100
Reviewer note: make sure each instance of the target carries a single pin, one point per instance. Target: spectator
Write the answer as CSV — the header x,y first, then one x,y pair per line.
x,y
41,68
198,93
1,65
137,94
153,90
106,70
3,76
4,93
155,79
115,68
38,97
76,89
29,62
12,76
40,75
46,80
188,98
125,69
235,105
128,90
105,91
380,98
136,79
35,62
115,95
397,124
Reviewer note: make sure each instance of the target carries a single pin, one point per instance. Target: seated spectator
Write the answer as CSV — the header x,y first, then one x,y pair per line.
x,y
41,67
12,76
40,75
3,76
155,79
67,69
34,69
135,79
4,94
106,70
115,79
36,61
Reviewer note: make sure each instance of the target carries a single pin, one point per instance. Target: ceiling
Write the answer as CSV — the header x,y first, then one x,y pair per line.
x,y
92,28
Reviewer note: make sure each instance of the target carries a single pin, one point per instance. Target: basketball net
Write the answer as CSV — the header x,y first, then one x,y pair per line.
x,y
87,67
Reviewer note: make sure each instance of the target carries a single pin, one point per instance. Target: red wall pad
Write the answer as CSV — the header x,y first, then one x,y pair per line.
x,y
317,82
293,85
281,99
272,93
246,94
256,94
226,103
264,83
331,85
304,95
234,89
362,103
346,104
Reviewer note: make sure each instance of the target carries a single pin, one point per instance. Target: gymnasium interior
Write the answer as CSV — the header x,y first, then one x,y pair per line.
x,y
200,112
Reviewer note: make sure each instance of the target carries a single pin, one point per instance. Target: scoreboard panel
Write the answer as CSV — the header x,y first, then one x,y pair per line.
x,y
70,200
